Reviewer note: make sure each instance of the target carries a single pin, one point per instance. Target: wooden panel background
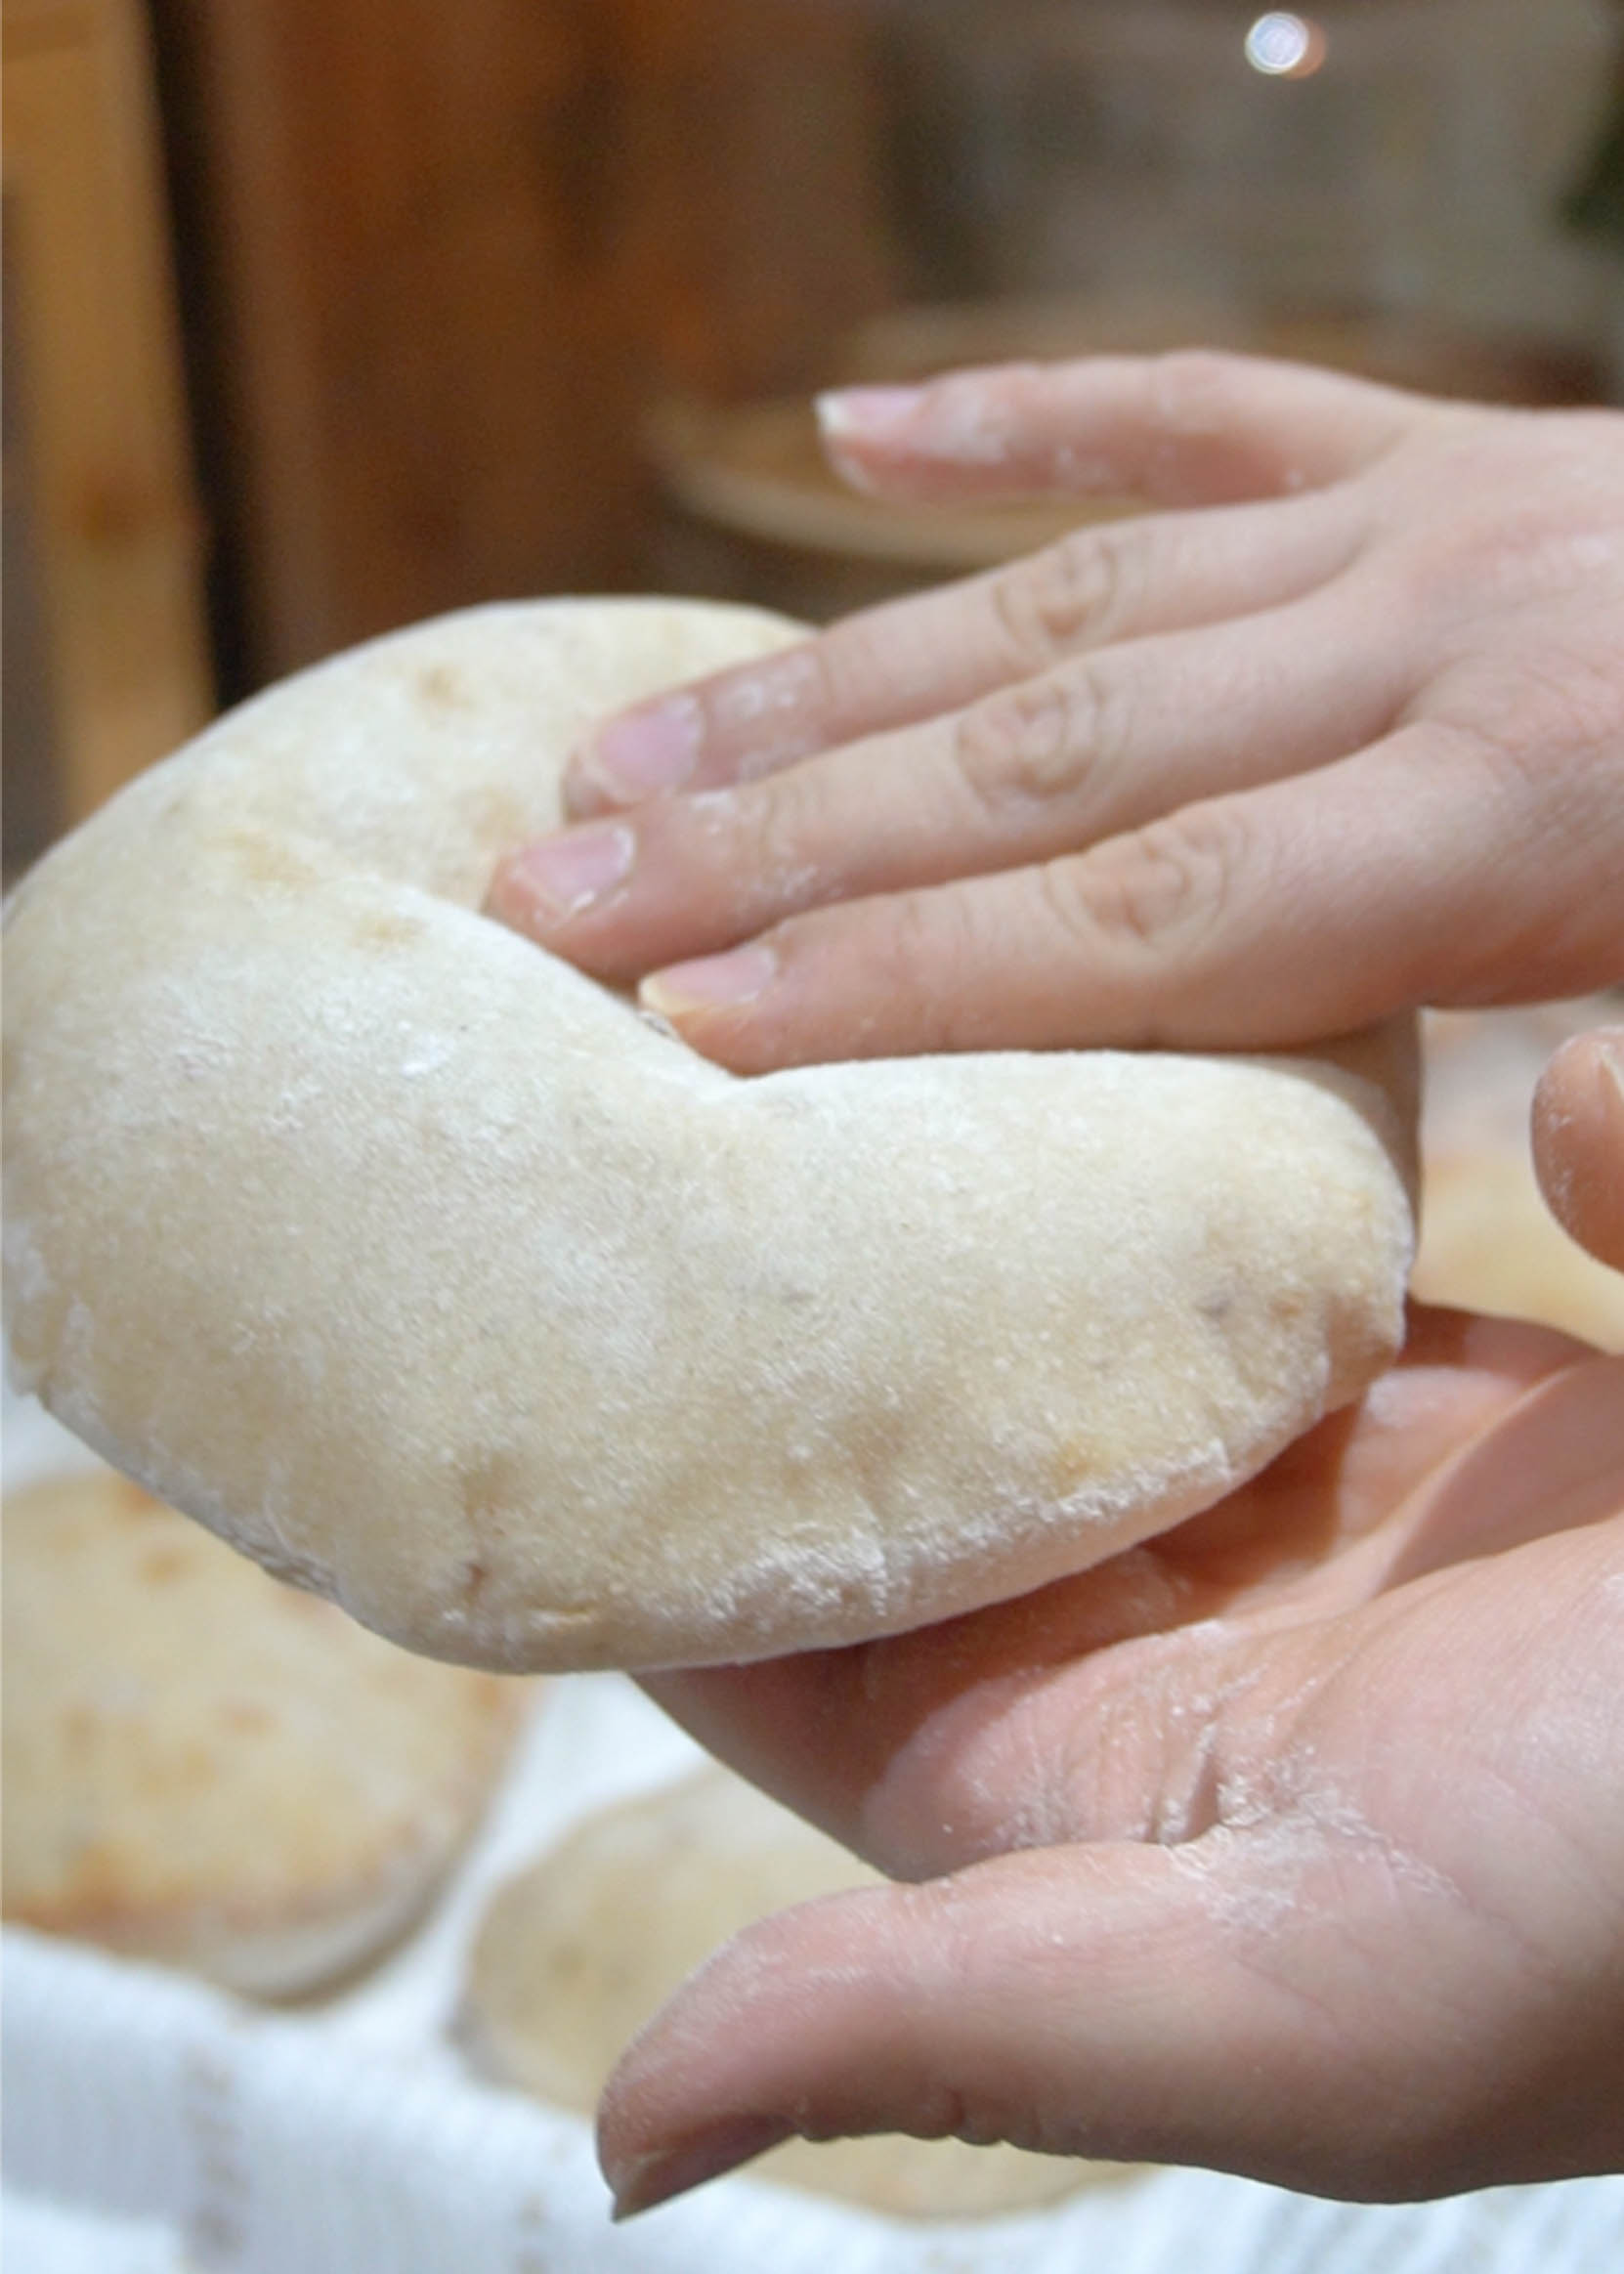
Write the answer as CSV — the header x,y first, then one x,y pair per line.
x,y
446,254
112,527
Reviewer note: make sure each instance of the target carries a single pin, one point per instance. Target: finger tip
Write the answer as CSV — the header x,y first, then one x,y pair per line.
x,y
866,415
666,2124
685,994
647,751
543,887
1578,1140
1581,1088
505,902
866,433
512,897
642,2181
584,793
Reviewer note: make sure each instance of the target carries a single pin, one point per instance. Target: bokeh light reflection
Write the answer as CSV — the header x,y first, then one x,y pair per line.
x,y
1284,46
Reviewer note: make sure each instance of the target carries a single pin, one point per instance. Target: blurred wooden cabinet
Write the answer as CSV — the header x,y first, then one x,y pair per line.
x,y
107,660
446,255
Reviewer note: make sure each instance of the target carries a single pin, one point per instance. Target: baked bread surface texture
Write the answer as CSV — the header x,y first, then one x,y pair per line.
x,y
428,1272
212,1771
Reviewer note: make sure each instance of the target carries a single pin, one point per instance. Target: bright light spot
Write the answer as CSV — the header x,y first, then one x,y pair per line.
x,y
1285,47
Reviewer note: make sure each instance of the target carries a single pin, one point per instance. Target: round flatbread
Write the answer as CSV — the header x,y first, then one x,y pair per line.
x,y
208,1769
434,1277
1491,1244
577,1953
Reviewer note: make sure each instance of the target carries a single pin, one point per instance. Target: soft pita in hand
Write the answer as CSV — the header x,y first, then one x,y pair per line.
x,y
428,1272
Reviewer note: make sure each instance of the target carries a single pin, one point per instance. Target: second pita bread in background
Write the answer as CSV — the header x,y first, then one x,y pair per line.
x,y
208,1769
576,1954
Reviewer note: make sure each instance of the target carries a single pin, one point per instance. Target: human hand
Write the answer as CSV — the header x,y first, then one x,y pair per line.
x,y
1291,1843
1340,731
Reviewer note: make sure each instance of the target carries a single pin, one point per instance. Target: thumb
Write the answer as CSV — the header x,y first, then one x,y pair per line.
x,y
1114,2001
1578,1138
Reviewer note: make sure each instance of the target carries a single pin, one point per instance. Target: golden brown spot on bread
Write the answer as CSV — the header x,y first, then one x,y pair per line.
x,y
1074,1463
501,818
385,928
442,688
1287,1305
487,1486
271,860
100,1885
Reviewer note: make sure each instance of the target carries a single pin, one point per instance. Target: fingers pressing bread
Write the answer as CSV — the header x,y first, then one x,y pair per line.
x,y
1192,429
1220,778
1311,905
915,659
1100,745
1202,430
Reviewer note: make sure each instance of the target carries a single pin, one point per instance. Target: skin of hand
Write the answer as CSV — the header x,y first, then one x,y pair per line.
x,y
1337,727
1290,1843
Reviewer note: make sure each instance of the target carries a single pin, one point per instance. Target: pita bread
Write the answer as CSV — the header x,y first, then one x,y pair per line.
x,y
208,1769
431,1274
577,1953
1491,1244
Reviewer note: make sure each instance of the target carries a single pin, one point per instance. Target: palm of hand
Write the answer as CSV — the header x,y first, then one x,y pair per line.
x,y
1293,1842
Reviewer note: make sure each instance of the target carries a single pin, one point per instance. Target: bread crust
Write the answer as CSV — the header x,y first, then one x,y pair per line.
x,y
212,1771
425,1271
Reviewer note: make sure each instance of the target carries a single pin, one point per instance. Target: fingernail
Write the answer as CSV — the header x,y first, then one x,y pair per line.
x,y
643,752
565,875
711,983
671,2172
866,414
